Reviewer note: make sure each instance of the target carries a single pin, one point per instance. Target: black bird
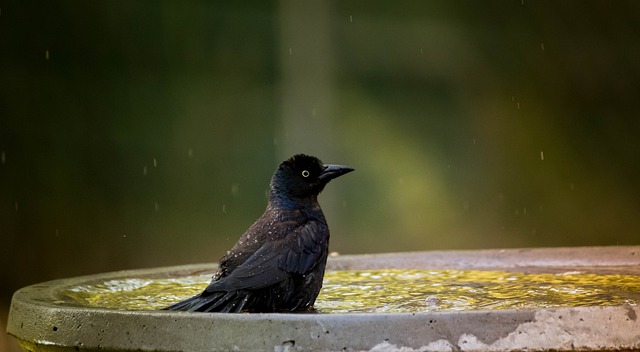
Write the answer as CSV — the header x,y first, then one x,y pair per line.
x,y
278,264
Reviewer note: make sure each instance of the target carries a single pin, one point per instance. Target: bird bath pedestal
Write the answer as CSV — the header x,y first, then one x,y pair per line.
x,y
42,320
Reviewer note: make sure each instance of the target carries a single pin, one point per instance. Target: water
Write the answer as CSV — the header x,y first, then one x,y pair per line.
x,y
394,291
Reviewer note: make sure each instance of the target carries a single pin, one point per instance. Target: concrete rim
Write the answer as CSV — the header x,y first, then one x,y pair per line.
x,y
38,316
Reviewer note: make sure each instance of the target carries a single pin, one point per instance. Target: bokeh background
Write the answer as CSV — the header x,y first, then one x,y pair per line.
x,y
144,133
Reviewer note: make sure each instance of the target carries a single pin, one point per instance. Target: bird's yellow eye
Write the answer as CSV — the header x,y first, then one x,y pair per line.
x,y
305,173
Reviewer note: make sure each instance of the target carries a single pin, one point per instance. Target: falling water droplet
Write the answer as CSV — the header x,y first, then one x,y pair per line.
x,y
235,189
432,302
144,170
541,155
351,18
155,162
190,153
46,55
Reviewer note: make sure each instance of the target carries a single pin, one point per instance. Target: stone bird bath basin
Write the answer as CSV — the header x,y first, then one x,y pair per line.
x,y
43,320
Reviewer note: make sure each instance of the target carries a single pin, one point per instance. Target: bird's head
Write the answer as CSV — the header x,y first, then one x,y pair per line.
x,y
303,176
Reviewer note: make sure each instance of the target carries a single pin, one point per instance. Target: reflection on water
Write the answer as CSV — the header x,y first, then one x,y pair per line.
x,y
394,291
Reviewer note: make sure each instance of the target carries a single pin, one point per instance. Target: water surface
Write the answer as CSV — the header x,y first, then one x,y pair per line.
x,y
394,291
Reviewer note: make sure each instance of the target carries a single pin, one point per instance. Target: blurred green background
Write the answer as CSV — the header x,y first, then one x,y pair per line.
x,y
144,133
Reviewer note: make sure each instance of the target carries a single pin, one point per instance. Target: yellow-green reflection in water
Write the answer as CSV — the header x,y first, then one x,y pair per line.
x,y
395,291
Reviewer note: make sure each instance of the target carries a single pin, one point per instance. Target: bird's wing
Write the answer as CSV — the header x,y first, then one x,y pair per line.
x,y
276,260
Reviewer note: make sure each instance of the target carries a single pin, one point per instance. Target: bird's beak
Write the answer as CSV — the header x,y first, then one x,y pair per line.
x,y
332,171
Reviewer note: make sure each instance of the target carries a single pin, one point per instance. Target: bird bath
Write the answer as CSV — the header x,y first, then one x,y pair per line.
x,y
46,317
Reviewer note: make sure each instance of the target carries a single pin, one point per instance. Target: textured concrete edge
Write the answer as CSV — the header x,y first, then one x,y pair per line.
x,y
616,257
577,329
585,328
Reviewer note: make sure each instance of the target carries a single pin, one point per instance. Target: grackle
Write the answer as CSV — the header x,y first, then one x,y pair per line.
x,y
278,264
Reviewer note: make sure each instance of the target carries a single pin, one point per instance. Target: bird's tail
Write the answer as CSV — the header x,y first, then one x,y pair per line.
x,y
224,302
